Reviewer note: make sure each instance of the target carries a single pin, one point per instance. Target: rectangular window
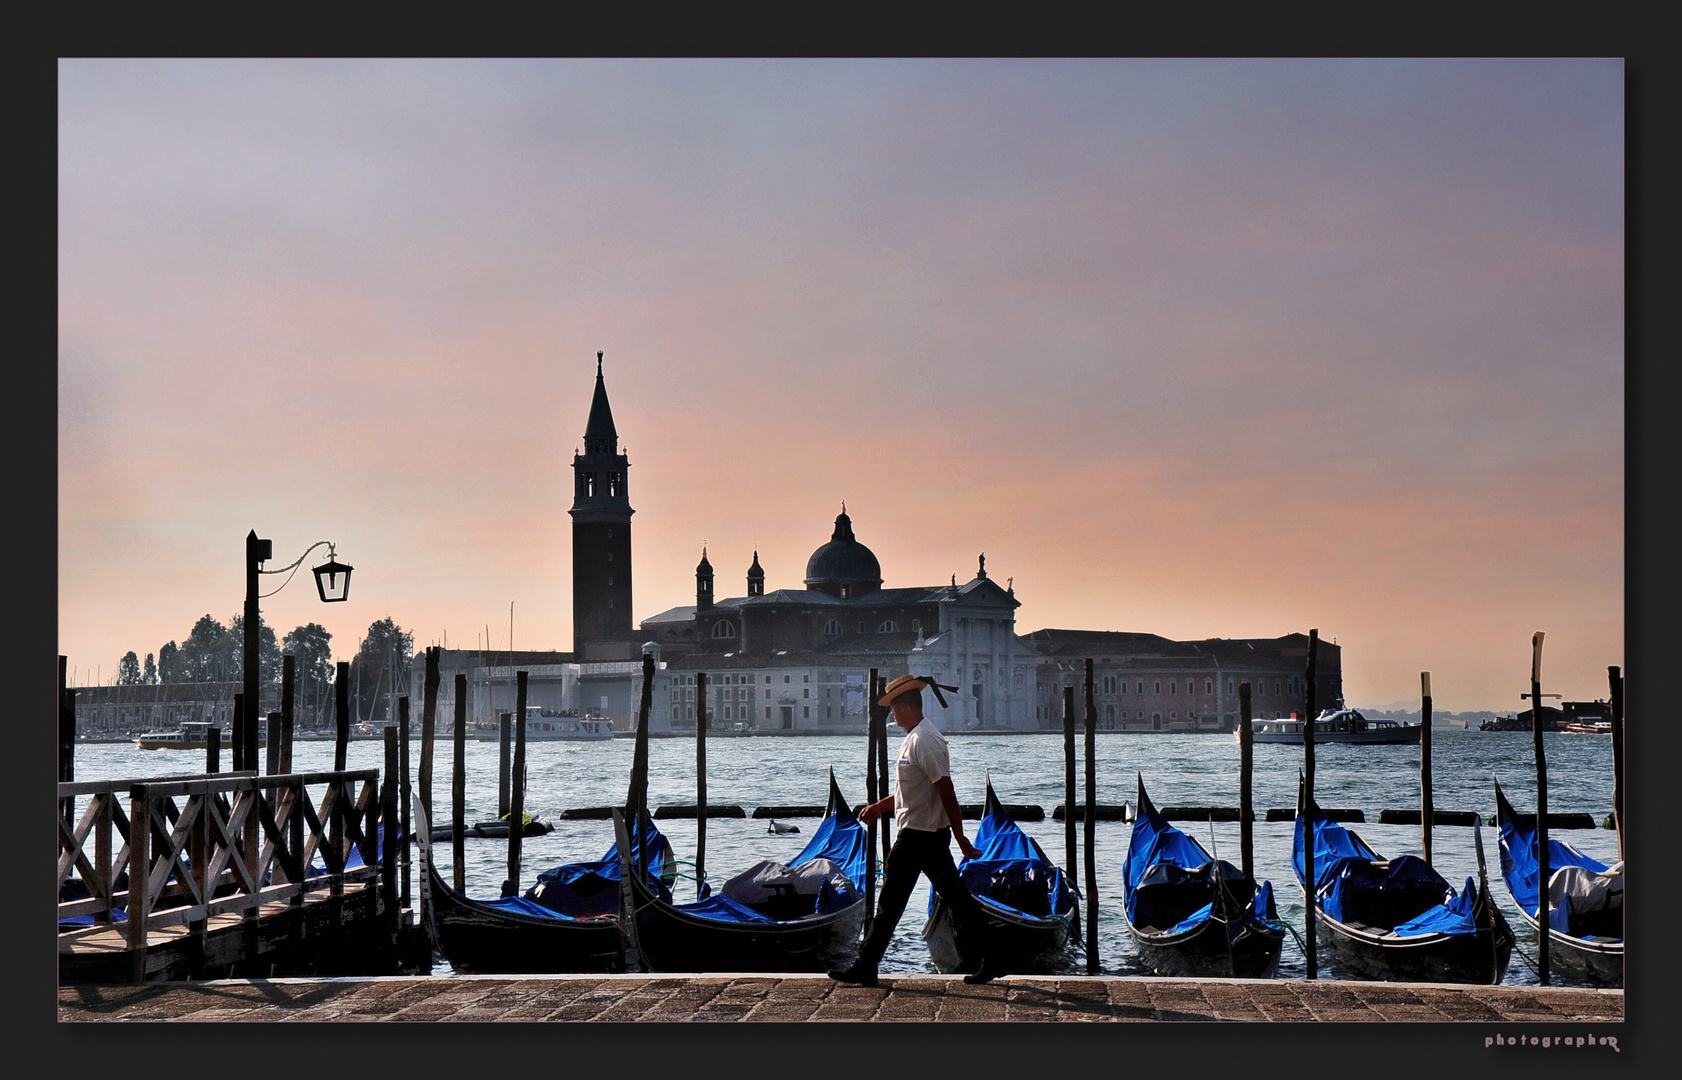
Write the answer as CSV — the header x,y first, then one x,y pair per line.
x,y
1139,690
808,693
1172,689
1158,685
808,678
1208,688
786,679
806,713
768,716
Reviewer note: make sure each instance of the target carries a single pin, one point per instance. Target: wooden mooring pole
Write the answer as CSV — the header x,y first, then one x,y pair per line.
x,y
341,714
503,739
239,733
1091,826
1311,942
881,713
639,769
458,786
388,839
1617,681
429,722
66,744
700,780
271,745
517,783
403,808
1246,760
870,796
1073,868
213,750
288,707
1537,726
1426,809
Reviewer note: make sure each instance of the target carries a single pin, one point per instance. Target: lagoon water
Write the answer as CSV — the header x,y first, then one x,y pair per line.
x,y
1178,769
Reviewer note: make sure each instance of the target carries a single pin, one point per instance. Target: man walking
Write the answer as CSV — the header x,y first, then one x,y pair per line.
x,y
926,812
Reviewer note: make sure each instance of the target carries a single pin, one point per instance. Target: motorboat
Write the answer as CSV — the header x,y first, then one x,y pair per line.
x,y
1342,725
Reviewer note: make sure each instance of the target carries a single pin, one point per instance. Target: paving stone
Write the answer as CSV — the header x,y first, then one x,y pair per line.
x,y
467,999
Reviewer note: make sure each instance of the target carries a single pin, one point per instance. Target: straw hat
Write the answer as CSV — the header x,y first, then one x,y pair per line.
x,y
907,683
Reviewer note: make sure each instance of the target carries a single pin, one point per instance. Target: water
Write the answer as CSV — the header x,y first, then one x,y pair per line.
x,y
1178,769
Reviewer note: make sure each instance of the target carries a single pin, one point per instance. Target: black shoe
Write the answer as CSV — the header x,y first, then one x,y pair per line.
x,y
986,974
856,973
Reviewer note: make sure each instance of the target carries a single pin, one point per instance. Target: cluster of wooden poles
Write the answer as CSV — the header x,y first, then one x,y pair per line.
x,y
279,747
1537,728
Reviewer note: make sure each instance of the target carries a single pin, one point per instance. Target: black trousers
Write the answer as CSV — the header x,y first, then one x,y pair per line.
x,y
917,851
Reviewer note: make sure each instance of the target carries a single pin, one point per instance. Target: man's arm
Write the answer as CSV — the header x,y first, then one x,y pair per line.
x,y
955,816
876,809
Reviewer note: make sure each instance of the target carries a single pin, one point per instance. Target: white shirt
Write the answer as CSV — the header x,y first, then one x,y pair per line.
x,y
922,761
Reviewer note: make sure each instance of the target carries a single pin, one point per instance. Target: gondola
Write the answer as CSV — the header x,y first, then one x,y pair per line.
x,y
1585,903
1190,914
807,915
1398,919
1032,913
567,922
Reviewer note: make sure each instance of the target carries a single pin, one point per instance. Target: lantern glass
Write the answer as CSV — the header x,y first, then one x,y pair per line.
x,y
332,581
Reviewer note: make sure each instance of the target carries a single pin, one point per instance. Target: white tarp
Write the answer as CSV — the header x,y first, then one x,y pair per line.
x,y
1581,891
765,880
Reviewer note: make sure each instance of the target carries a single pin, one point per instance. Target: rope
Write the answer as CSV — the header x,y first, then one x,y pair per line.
x,y
1287,926
1529,963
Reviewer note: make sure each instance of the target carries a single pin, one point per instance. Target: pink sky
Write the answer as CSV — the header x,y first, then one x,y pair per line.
x,y
1202,349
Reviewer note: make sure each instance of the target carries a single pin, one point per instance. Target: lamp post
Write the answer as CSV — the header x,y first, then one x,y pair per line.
x,y
332,583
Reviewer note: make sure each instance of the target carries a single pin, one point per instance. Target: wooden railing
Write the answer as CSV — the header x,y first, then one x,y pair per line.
x,y
218,843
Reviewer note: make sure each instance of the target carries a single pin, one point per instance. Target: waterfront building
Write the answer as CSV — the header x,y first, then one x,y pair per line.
x,y
1143,682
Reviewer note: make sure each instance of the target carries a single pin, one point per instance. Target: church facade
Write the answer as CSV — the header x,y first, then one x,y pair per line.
x,y
797,659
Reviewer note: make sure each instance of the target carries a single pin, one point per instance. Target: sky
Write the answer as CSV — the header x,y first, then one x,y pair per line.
x,y
1199,348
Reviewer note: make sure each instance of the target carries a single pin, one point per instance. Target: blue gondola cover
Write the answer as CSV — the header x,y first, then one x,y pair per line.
x,y
1012,872
1404,896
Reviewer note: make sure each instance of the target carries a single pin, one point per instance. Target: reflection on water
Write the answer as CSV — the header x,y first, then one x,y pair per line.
x,y
1179,769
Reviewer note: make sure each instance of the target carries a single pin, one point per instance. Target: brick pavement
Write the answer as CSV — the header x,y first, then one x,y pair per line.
x,y
525,998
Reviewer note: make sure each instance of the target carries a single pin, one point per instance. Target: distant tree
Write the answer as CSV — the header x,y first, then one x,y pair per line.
x,y
128,669
311,644
150,675
381,664
169,663
206,654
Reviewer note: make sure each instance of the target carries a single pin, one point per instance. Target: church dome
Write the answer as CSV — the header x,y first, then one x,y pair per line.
x,y
843,567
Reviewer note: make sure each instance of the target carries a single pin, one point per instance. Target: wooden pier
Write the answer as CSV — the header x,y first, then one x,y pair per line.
x,y
230,874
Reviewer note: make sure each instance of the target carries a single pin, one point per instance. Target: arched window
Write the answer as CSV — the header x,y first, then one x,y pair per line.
x,y
832,628
724,628
888,627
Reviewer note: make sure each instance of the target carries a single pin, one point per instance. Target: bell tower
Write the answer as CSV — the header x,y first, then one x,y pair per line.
x,y
601,530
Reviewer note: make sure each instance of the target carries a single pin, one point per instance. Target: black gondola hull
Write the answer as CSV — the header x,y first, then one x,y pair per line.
x,y
1479,958
1202,953
1599,963
1021,945
674,940
480,940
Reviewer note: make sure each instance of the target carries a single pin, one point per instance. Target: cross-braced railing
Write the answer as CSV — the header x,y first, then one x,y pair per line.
x,y
213,844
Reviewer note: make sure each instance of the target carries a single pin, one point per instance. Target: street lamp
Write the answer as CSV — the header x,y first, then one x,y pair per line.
x,y
332,581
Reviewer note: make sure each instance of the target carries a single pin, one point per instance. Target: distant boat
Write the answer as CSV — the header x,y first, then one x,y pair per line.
x,y
1337,726
194,735
545,726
